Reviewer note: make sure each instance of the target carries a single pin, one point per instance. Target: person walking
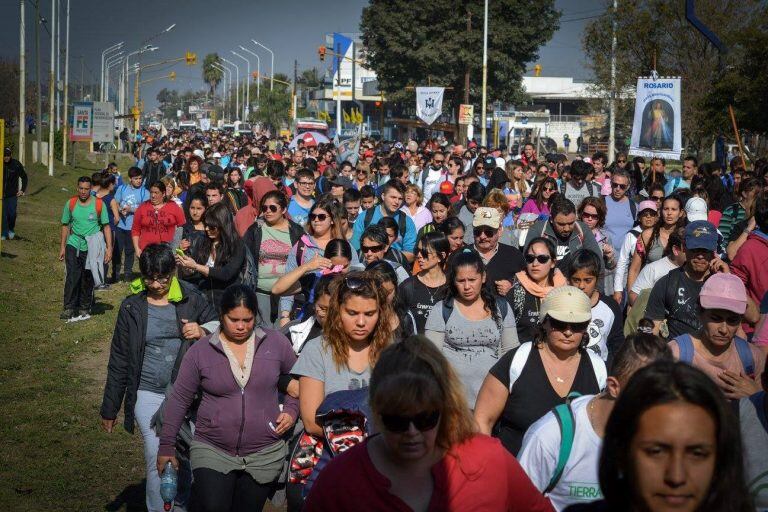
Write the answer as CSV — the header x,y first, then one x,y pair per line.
x,y
13,172
129,197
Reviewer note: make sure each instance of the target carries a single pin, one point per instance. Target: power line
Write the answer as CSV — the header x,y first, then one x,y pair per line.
x,y
581,19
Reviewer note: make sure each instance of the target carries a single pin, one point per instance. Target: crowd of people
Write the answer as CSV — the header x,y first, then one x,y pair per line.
x,y
473,329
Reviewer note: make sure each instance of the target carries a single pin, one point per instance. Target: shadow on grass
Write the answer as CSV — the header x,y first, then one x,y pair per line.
x,y
132,498
99,308
8,255
37,191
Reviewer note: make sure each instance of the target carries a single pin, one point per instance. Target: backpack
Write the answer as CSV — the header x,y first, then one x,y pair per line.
x,y
401,223
685,342
590,188
249,273
99,206
501,306
567,423
524,351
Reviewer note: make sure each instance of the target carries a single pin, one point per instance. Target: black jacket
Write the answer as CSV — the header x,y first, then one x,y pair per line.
x,y
252,240
13,170
126,354
220,276
152,172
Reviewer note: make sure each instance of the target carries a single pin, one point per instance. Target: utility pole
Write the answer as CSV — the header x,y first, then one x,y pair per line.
x,y
22,86
57,38
65,134
51,92
82,77
39,120
463,130
483,138
295,83
338,90
612,99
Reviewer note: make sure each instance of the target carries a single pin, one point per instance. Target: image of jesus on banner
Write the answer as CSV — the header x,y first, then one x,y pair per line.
x,y
657,130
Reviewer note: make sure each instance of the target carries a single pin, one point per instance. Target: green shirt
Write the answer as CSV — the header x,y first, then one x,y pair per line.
x,y
273,254
82,222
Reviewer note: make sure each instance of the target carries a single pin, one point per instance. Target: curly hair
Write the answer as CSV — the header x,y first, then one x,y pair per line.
x,y
414,375
368,286
598,204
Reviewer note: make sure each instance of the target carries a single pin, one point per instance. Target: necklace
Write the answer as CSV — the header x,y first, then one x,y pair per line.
x,y
558,379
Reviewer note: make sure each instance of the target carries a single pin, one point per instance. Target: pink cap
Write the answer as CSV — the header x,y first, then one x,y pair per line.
x,y
647,205
724,291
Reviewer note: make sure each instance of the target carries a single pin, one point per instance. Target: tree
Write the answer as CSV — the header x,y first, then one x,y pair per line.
x,y
169,102
414,42
211,75
310,78
648,28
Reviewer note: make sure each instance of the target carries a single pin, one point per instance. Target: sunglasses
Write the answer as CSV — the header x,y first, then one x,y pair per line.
x,y
619,186
549,189
587,215
355,283
423,252
439,162
559,325
159,280
484,230
621,161
541,258
423,421
657,198
272,208
371,248
321,217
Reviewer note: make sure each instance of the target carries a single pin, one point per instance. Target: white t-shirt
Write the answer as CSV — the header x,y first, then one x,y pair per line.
x,y
599,328
541,447
430,184
651,273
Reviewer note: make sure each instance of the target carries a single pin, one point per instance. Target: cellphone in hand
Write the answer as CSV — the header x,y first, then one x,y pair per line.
x,y
180,252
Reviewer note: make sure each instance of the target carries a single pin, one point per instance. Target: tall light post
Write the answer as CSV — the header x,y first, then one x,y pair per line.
x,y
51,93
247,107
144,48
258,73
111,49
237,86
483,106
224,72
22,84
612,100
66,92
111,62
271,66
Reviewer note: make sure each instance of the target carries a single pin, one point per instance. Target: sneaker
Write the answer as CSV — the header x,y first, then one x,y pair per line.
x,y
67,314
77,317
101,287
11,235
84,314
3,237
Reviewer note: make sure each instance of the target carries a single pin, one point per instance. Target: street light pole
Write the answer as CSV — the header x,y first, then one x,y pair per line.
x,y
110,63
223,70
258,73
612,100
237,86
271,66
247,105
66,91
22,85
103,55
57,37
51,93
483,106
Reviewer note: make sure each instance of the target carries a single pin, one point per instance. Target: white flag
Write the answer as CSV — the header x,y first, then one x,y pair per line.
x,y
429,103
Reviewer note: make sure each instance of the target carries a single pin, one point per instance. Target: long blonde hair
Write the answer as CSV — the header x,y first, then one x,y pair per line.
x,y
414,375
360,284
519,184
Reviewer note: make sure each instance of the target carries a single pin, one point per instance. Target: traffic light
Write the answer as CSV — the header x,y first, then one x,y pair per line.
x,y
321,52
191,58
537,70
377,103
172,76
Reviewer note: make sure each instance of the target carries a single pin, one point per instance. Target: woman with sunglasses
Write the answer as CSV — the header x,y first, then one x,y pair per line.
x,y
538,375
531,285
652,242
357,328
238,449
154,327
269,241
427,455
472,326
217,261
479,170
360,178
306,255
541,197
592,212
671,443
420,292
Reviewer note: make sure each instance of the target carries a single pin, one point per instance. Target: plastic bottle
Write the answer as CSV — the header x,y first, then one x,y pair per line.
x,y
168,485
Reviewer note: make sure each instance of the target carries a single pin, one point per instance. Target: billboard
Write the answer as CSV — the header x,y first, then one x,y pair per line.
x,y
656,130
82,121
103,122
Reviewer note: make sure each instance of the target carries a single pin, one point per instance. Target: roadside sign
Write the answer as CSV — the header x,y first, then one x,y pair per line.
x,y
466,114
103,122
82,121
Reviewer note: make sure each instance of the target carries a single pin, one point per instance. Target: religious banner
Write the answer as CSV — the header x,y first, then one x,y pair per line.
x,y
429,103
656,130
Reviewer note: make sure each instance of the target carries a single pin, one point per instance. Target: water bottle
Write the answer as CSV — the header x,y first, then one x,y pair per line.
x,y
169,482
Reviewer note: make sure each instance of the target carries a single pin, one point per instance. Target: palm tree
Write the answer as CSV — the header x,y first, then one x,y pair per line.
x,y
211,75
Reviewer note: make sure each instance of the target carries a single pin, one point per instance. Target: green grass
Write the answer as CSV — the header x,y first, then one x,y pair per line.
x,y
55,456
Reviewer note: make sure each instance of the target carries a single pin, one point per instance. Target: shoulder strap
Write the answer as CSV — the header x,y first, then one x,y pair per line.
x,y
563,186
502,307
72,203
685,344
598,366
401,224
758,401
632,208
745,354
518,362
368,216
590,188
447,310
567,423
301,245
99,205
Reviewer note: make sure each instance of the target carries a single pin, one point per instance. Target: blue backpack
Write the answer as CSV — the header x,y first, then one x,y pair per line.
x,y
742,347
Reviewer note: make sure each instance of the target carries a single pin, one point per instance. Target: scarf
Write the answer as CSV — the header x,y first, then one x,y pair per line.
x,y
538,290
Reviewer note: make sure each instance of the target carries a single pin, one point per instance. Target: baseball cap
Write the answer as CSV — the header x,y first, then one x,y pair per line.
x,y
217,155
724,291
701,234
486,216
567,304
341,181
696,209
647,205
199,152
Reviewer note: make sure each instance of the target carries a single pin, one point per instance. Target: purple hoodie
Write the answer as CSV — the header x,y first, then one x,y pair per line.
x,y
231,419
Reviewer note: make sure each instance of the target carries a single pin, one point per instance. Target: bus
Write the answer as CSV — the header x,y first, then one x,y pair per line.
x,y
308,124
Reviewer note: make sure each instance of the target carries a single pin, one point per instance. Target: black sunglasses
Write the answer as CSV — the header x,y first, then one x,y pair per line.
x,y
488,231
272,207
657,198
318,216
619,185
541,258
559,325
354,283
423,421
371,248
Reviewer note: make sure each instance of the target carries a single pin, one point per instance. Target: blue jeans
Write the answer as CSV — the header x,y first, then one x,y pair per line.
x,y
147,404
9,214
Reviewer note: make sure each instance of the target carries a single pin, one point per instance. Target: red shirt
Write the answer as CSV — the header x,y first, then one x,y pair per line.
x,y
478,475
155,228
